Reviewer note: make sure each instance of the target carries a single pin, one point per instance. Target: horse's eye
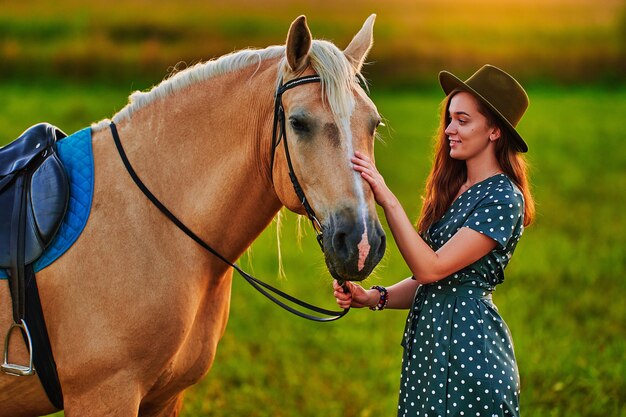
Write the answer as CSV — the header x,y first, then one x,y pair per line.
x,y
298,125
377,122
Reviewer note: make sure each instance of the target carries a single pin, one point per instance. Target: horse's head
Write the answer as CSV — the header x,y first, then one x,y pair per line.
x,y
325,123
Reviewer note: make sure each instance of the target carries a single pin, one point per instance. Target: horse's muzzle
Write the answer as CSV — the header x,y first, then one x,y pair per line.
x,y
353,245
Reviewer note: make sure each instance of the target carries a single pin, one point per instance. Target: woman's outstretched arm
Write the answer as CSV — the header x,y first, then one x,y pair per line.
x,y
463,249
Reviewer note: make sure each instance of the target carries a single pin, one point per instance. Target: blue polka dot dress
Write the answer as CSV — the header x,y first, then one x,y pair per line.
x,y
458,354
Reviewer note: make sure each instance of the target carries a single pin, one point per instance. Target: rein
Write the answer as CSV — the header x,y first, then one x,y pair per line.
x,y
262,287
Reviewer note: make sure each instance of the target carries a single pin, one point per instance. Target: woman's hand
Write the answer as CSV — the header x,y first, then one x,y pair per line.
x,y
356,296
367,169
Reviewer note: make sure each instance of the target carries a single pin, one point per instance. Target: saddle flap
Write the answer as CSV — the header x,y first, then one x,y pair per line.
x,y
49,196
18,154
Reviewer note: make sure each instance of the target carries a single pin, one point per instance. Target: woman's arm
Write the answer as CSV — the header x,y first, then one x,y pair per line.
x,y
464,248
400,295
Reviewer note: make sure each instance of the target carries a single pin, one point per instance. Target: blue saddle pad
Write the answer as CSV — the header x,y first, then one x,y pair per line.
x,y
76,153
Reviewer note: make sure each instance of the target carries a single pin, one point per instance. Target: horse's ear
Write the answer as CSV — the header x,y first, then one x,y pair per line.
x,y
361,44
298,44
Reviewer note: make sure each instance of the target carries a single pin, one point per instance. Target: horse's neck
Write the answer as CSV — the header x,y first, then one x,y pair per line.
x,y
200,152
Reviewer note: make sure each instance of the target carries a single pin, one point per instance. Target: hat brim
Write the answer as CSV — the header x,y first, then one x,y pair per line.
x,y
449,82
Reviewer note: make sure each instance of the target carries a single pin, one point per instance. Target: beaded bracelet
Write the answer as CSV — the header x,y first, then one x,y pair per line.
x,y
383,300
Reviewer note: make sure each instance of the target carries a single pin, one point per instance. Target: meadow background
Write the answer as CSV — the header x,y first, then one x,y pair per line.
x,y
75,62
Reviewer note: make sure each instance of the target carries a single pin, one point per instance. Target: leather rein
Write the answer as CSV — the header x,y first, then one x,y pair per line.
x,y
278,134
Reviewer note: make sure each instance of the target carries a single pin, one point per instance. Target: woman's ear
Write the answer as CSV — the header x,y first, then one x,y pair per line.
x,y
495,134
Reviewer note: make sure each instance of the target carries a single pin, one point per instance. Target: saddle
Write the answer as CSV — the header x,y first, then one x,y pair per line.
x,y
34,195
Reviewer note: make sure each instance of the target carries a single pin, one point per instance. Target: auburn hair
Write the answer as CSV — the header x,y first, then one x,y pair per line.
x,y
447,174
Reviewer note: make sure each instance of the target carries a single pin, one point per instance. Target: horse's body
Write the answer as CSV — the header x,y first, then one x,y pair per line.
x,y
135,308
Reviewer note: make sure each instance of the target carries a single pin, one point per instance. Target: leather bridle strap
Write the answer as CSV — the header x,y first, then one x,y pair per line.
x,y
259,285
279,133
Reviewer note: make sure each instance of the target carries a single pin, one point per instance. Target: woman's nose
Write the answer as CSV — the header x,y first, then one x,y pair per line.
x,y
449,129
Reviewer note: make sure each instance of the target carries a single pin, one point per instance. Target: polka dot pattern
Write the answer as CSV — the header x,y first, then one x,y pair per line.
x,y
458,353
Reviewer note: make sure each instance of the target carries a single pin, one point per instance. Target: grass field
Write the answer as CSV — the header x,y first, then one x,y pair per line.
x,y
562,299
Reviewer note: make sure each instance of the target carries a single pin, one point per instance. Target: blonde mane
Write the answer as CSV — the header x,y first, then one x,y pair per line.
x,y
337,74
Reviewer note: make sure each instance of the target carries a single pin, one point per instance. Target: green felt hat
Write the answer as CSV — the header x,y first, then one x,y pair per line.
x,y
498,91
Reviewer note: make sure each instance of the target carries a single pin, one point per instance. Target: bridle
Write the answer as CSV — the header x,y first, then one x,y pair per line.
x,y
262,287
280,133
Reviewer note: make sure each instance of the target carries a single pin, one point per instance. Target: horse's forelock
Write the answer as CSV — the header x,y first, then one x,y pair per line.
x,y
337,74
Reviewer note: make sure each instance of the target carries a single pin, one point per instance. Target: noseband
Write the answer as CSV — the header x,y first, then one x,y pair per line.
x,y
280,133
262,287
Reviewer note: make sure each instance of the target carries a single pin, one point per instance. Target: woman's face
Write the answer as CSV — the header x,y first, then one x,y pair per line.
x,y
468,131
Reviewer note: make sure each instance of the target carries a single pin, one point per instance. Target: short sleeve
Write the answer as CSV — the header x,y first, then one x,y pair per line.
x,y
498,216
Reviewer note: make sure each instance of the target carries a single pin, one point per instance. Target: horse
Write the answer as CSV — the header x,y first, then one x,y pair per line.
x,y
135,309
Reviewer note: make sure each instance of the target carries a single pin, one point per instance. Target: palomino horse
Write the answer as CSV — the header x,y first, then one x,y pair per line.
x,y
135,308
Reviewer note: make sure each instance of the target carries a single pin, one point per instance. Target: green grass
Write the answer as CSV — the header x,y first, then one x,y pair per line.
x,y
562,299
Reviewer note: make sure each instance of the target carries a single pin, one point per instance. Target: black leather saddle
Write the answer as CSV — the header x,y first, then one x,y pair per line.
x,y
34,194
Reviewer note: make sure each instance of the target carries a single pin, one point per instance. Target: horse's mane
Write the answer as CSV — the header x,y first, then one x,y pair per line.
x,y
326,60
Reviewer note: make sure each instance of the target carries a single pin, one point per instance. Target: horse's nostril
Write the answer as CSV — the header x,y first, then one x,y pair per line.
x,y
340,244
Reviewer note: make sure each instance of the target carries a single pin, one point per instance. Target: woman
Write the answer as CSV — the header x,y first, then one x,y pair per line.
x,y
458,354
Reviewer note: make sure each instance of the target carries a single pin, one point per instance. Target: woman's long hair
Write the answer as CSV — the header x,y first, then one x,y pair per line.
x,y
448,174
